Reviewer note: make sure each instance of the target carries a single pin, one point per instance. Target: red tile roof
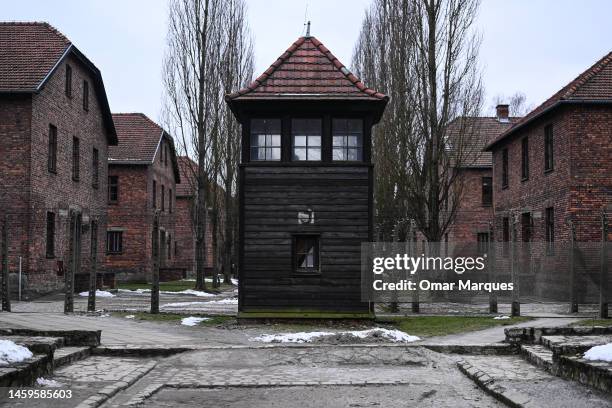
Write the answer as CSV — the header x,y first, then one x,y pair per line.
x,y
594,85
139,139
187,169
28,52
485,129
307,70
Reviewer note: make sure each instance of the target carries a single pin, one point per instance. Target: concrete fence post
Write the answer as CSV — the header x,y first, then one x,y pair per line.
x,y
603,269
93,270
572,270
155,272
6,301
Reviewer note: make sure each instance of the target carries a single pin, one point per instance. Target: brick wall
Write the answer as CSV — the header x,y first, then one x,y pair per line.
x,y
185,236
133,215
472,216
15,122
56,192
578,187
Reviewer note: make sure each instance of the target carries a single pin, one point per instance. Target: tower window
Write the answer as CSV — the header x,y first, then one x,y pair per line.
x,y
266,139
306,139
347,138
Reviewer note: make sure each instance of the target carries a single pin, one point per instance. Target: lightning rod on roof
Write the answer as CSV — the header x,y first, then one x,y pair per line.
x,y
308,29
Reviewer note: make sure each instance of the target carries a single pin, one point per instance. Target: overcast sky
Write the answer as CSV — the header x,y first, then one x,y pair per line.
x,y
534,47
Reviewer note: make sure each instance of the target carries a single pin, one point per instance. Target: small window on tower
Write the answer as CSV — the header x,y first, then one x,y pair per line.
x,y
306,254
266,139
347,137
306,135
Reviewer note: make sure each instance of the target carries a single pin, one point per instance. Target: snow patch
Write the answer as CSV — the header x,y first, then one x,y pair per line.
x,y
130,317
99,293
193,321
601,353
501,317
191,292
43,382
183,304
234,282
13,353
226,301
395,336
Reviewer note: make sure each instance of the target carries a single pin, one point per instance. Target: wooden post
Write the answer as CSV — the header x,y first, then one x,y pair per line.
x,y
91,300
572,270
516,303
492,278
6,301
69,274
603,269
155,272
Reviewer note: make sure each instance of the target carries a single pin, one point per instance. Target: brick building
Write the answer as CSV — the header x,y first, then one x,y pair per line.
x,y
55,129
552,167
142,175
475,210
185,229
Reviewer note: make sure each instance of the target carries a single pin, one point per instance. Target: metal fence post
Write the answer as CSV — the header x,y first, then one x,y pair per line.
x,y
603,269
155,272
6,301
93,270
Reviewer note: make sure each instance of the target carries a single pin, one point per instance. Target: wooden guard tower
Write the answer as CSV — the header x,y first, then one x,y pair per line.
x,y
305,185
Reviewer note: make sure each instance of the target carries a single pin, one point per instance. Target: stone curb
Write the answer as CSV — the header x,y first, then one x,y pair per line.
x,y
483,380
152,350
110,390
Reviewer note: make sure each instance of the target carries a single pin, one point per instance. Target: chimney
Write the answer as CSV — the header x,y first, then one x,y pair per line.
x,y
502,112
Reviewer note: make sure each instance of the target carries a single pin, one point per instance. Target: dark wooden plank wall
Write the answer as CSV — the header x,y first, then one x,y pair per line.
x,y
272,197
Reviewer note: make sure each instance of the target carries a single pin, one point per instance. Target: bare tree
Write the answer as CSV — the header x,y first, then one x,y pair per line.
x,y
424,54
202,37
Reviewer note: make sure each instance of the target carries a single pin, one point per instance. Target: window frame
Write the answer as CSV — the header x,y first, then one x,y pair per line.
x,y
68,81
549,155
549,230
95,163
525,158
52,152
109,251
154,195
505,169
110,186
50,235
163,198
85,95
487,203
307,147
266,146
346,146
76,158
315,270
506,237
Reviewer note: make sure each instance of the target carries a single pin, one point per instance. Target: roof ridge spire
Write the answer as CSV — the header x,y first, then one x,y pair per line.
x,y
308,29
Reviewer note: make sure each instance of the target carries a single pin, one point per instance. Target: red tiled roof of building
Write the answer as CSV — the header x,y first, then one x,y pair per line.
x,y
485,129
28,52
594,84
307,70
187,169
139,139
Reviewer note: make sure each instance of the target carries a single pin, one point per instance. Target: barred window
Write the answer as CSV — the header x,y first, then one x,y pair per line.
x,y
114,242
